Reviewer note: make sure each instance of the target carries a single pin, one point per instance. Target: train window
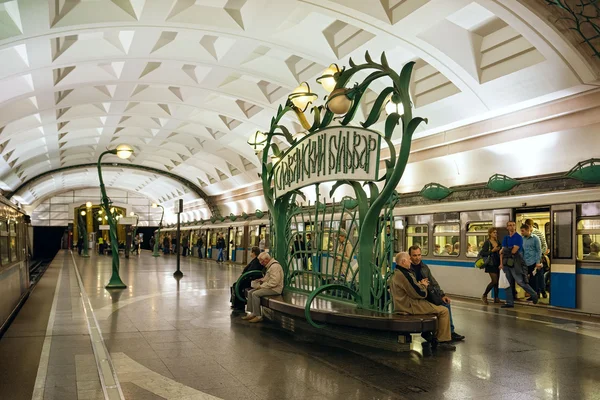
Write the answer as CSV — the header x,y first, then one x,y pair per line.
x,y
477,233
418,235
562,246
588,240
12,231
446,240
4,242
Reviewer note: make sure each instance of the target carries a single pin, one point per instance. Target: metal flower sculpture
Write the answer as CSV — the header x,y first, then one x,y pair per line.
x,y
341,106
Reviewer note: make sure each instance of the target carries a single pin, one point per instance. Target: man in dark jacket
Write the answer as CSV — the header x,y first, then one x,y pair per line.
x,y
422,271
220,247
253,265
299,251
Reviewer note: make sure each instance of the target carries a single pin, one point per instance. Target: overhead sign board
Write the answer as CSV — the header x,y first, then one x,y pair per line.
x,y
127,221
337,153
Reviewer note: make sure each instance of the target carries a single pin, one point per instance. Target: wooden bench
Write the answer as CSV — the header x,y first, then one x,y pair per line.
x,y
340,313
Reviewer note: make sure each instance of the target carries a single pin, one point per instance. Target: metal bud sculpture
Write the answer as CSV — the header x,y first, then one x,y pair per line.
x,y
338,102
344,155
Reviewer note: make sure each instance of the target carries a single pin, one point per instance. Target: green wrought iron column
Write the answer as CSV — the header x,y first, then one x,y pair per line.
x,y
122,151
157,236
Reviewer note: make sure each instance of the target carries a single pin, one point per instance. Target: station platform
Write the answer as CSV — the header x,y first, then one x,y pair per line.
x,y
163,338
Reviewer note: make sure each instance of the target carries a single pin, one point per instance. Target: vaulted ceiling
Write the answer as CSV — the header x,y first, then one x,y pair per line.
x,y
186,82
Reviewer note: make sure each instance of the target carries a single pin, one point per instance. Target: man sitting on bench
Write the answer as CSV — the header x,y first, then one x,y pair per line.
x,y
253,265
269,285
410,297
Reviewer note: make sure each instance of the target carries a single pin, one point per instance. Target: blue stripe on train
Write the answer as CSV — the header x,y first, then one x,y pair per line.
x,y
450,263
468,264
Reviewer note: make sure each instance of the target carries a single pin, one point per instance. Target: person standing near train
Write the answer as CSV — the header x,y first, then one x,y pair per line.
x,y
512,263
532,255
491,248
220,247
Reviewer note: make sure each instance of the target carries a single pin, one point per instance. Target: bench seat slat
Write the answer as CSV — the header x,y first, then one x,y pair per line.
x,y
338,313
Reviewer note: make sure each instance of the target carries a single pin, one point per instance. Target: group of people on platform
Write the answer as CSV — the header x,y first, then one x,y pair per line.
x,y
521,257
169,246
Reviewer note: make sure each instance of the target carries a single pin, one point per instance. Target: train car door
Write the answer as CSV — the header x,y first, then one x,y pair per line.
x,y
563,273
540,218
263,239
231,235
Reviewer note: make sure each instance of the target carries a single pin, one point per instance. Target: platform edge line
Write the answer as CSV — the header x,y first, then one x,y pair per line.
x,y
89,312
40,379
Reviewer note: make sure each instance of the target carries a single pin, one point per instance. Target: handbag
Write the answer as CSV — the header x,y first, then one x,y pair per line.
x,y
503,282
434,297
484,262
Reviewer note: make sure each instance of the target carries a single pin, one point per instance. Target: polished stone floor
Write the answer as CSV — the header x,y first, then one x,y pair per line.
x,y
171,339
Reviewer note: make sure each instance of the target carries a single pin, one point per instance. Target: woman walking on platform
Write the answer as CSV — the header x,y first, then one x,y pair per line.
x,y
491,248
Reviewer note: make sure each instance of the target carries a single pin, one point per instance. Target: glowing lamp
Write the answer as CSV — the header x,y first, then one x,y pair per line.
x,y
124,151
328,79
338,102
88,204
99,219
392,107
154,205
132,214
258,141
302,97
83,212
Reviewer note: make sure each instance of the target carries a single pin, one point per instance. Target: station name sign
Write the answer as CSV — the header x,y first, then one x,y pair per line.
x,y
336,153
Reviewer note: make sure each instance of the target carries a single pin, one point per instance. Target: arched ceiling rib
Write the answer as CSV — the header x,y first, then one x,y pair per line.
x,y
154,184
186,82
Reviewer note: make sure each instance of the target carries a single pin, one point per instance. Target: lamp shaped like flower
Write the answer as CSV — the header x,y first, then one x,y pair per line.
x,y
302,97
328,78
393,106
258,141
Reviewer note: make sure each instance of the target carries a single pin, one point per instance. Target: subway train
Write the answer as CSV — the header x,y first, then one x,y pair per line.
x,y
569,220
14,260
240,236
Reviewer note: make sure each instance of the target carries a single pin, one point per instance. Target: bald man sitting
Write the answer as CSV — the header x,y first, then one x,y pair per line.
x,y
409,297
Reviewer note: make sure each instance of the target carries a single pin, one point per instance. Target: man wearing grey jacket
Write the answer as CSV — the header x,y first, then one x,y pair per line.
x,y
269,285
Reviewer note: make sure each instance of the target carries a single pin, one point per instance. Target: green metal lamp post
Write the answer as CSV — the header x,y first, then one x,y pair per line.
x,y
83,232
157,238
122,151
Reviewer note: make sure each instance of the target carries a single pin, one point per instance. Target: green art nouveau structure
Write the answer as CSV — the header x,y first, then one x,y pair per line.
x,y
339,249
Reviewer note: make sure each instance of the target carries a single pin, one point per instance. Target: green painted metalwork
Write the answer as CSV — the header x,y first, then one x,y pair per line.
x,y
583,17
115,280
245,275
156,253
245,216
259,214
232,217
501,183
586,171
83,233
361,216
435,191
325,288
